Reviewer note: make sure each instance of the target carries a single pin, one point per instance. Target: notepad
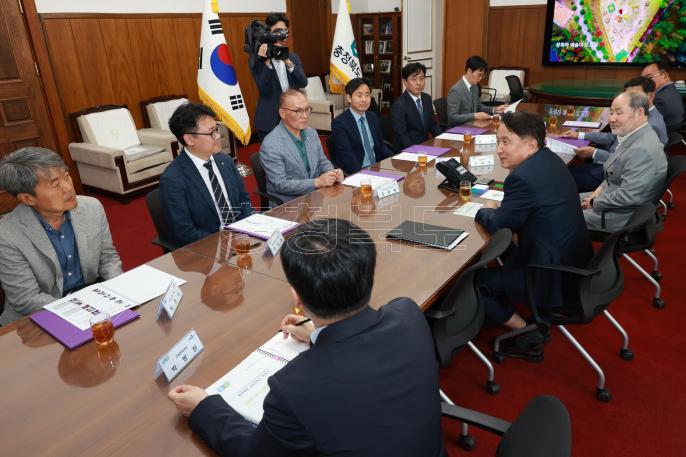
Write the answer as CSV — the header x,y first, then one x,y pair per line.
x,y
245,386
582,124
428,235
262,226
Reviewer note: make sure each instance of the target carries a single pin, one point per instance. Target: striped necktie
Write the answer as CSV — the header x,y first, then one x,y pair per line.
x,y
366,143
227,215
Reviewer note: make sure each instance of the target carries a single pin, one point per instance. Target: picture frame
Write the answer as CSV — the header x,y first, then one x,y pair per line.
x,y
389,47
367,68
385,66
368,29
382,47
369,46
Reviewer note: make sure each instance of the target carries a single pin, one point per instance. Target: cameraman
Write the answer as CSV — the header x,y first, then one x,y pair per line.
x,y
273,77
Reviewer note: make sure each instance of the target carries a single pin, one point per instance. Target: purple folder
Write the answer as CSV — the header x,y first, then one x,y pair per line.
x,y
428,150
462,130
261,236
572,141
382,175
69,335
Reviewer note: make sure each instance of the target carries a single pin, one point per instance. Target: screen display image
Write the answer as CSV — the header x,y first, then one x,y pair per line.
x,y
615,32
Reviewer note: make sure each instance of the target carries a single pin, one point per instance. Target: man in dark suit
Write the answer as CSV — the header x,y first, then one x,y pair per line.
x,y
541,207
357,138
368,385
413,112
274,76
201,190
464,100
668,100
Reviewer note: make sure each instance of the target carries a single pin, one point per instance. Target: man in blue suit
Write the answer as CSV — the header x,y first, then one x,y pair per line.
x,y
201,190
368,384
274,76
357,138
668,100
541,207
413,112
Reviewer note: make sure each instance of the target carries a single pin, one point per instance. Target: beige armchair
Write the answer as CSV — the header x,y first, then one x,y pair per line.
x,y
111,155
325,106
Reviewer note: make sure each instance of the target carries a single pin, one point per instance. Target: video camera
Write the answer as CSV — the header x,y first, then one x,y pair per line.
x,y
257,33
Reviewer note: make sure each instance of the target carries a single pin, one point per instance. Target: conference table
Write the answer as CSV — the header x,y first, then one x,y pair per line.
x,y
589,92
106,402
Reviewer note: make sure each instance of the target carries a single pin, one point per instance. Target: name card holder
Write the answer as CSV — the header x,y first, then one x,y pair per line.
x,y
386,189
170,300
274,243
179,356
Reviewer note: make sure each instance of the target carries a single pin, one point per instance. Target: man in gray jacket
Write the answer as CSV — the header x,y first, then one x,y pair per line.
x,y
464,102
292,155
635,172
54,242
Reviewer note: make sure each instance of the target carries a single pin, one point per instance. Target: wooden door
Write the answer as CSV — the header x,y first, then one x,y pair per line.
x,y
24,119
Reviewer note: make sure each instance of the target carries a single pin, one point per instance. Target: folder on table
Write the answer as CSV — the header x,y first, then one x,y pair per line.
x,y
428,235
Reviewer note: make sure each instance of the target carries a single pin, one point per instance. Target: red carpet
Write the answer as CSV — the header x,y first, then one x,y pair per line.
x,y
646,414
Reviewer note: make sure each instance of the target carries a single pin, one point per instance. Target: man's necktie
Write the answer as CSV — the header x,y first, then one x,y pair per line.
x,y
224,207
365,141
420,108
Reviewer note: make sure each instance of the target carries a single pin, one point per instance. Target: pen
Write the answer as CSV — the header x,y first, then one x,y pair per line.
x,y
298,324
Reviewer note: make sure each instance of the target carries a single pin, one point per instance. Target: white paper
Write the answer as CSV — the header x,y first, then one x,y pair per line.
x,y
274,243
262,225
582,124
468,209
483,160
245,386
496,195
134,150
142,284
513,107
355,180
451,136
79,307
412,157
485,139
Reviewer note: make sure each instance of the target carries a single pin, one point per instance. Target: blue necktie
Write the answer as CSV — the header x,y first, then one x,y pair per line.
x,y
365,141
224,208
421,110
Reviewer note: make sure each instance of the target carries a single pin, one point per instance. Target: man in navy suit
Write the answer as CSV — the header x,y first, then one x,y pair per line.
x,y
201,190
368,384
541,207
667,98
274,76
413,112
357,138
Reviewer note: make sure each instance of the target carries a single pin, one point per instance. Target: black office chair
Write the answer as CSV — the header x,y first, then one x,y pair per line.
x,y
674,141
386,124
331,148
599,283
441,106
542,429
164,238
516,89
458,319
261,180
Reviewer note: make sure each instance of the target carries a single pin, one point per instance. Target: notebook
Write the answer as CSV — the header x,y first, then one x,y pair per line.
x,y
428,235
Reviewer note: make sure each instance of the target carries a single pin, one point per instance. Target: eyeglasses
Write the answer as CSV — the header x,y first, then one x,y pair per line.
x,y
214,133
300,111
652,75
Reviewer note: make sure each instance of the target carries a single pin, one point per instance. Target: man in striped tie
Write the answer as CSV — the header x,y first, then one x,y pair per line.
x,y
201,191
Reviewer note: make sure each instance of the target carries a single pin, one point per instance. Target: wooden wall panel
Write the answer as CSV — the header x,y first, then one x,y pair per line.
x,y
92,58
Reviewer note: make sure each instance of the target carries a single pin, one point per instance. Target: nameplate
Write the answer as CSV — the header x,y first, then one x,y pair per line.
x,y
274,243
179,356
481,160
485,139
386,189
170,300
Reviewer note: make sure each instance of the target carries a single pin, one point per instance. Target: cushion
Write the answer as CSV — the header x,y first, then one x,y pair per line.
x,y
139,151
113,129
314,89
160,112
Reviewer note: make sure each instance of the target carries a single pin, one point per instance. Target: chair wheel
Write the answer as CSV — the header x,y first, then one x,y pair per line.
x,y
657,276
626,354
659,303
492,387
499,357
603,395
467,442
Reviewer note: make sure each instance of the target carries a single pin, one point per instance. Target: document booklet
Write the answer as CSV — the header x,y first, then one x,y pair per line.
x,y
262,226
428,235
245,387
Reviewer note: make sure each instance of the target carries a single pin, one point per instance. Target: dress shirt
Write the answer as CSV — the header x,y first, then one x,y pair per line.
x,y
315,333
357,117
469,86
280,68
300,144
64,242
205,174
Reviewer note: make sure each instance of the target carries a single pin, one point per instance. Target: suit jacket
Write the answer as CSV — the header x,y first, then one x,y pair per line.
x,y
409,127
463,103
287,177
668,100
541,205
348,145
634,174
363,389
30,272
267,112
187,203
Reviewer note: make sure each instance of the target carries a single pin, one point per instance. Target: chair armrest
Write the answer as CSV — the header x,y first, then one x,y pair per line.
x,y
610,208
477,419
92,154
321,106
337,99
489,91
157,137
566,269
439,313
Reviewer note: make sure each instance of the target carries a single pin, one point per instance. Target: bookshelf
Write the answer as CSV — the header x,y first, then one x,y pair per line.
x,y
379,39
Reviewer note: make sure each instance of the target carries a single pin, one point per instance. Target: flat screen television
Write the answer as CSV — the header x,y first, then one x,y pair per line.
x,y
615,32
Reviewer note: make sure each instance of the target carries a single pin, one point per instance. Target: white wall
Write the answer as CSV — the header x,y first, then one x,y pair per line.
x,y
517,2
156,6
369,6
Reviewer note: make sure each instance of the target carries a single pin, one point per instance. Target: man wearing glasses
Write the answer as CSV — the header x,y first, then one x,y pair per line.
x,y
201,190
292,155
667,98
464,101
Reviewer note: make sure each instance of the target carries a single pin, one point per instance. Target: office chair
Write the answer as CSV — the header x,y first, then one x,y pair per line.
x,y
261,180
386,123
163,239
331,149
542,429
441,106
599,283
458,319
674,142
516,89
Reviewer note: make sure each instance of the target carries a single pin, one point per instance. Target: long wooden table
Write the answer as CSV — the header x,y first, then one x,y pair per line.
x,y
86,402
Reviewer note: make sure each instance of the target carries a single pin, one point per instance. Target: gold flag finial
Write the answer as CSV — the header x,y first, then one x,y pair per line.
x,y
215,6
